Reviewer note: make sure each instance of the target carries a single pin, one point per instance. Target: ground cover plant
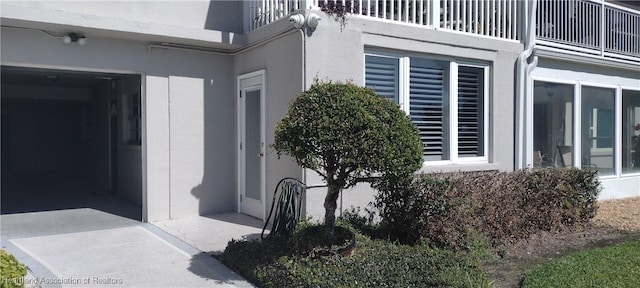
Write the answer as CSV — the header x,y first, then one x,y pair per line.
x,y
299,262
613,266
11,270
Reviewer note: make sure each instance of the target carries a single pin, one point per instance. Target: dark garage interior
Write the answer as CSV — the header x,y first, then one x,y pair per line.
x,y
70,140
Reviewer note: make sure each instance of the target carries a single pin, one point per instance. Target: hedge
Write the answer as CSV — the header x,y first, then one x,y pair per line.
x,y
454,209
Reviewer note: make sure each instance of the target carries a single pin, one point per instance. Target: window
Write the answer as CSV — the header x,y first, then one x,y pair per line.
x,y
597,129
382,73
630,131
445,99
133,128
552,124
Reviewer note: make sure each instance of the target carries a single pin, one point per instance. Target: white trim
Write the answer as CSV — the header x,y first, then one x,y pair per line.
x,y
577,125
453,111
143,145
598,85
485,120
250,82
617,133
554,80
404,86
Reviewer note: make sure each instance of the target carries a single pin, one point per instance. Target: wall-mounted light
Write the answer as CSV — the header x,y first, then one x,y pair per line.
x,y
74,38
298,20
312,20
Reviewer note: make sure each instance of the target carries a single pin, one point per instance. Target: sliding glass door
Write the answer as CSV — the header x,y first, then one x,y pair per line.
x,y
598,129
586,126
553,125
630,131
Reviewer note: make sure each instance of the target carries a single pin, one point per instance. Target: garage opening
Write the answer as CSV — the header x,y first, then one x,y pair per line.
x,y
71,140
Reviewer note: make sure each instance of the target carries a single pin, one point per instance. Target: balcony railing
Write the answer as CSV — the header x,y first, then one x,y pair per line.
x,y
259,13
586,26
493,18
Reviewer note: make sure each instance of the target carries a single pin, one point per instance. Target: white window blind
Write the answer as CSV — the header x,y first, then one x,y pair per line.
x,y
428,106
451,119
470,112
381,75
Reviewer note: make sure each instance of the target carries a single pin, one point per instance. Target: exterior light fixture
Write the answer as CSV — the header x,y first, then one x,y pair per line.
x,y
74,37
297,20
312,20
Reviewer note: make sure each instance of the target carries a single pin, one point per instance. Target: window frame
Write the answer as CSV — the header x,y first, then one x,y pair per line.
x,y
451,92
622,88
617,126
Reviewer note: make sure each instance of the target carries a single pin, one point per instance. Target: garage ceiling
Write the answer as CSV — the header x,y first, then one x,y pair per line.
x,y
46,77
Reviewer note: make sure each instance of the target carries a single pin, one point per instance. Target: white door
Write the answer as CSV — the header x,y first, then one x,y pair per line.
x,y
251,154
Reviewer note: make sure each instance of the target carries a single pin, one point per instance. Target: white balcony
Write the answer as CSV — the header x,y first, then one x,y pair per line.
x,y
589,26
493,18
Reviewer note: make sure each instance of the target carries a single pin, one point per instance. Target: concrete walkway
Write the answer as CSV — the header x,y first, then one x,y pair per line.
x,y
211,233
90,248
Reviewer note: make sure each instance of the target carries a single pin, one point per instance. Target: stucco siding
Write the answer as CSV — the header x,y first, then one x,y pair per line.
x,y
213,23
215,15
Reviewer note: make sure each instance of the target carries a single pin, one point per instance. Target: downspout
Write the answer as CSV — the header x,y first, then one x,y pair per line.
x,y
524,113
303,52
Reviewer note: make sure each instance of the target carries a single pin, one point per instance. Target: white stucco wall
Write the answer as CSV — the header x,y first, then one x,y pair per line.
x,y
212,23
200,14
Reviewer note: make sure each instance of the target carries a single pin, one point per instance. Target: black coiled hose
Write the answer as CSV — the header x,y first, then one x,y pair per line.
x,y
287,208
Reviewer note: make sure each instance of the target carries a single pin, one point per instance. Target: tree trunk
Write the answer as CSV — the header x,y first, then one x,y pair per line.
x,y
330,206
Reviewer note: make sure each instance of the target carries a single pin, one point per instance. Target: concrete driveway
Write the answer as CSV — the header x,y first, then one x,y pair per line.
x,y
89,248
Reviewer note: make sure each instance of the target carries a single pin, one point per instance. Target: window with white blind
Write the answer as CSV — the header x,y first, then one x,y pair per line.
x,y
382,73
447,100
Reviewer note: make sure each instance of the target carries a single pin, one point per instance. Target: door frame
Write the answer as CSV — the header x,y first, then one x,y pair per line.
x,y
250,82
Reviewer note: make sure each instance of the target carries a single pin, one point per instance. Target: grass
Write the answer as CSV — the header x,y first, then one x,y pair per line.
x,y
613,266
297,262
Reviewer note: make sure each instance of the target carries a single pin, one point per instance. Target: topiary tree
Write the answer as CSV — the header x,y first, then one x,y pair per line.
x,y
347,134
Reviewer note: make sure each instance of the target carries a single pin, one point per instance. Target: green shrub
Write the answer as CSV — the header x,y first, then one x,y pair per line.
x,y
12,272
364,222
458,209
410,205
346,134
375,263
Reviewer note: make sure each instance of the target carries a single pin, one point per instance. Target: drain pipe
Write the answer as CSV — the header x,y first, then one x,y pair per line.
x,y
524,113
303,52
